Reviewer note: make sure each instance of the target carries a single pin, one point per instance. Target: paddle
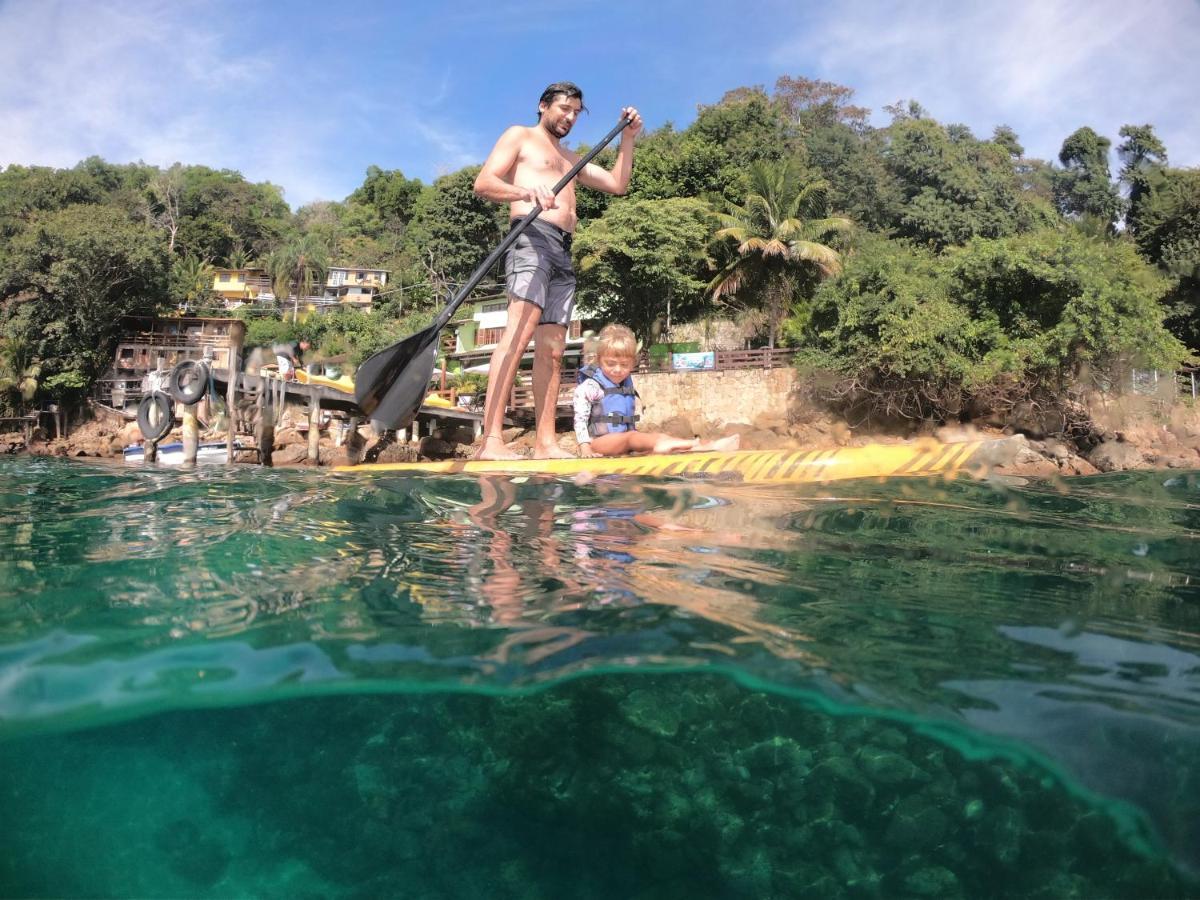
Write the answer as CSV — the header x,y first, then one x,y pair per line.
x,y
390,385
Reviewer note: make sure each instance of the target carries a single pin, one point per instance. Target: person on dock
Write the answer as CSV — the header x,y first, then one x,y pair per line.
x,y
605,405
521,171
289,356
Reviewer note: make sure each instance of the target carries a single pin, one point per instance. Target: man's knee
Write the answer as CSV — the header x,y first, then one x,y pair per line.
x,y
551,341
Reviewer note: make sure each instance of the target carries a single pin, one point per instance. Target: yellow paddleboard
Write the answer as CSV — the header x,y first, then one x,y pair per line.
x,y
925,457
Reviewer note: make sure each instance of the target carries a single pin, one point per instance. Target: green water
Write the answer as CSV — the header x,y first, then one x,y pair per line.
x,y
249,682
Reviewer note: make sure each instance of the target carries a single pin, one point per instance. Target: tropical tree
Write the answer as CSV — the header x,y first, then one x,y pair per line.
x,y
1143,170
953,187
776,241
452,230
191,282
67,281
644,261
296,268
19,373
163,199
1084,189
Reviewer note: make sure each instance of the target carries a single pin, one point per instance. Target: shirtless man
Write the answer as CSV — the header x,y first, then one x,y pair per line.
x,y
521,170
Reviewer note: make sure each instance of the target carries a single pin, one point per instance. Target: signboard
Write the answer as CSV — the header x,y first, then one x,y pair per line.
x,y
694,361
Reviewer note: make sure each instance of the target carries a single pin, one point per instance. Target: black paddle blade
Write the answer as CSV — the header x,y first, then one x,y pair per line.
x,y
390,386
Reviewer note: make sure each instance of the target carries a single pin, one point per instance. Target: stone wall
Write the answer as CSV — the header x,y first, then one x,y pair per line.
x,y
740,395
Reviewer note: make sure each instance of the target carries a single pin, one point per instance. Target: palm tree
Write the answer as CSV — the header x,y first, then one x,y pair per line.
x,y
776,240
191,281
19,373
300,264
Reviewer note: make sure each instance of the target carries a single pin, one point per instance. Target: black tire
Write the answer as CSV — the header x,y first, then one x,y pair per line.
x,y
188,381
159,409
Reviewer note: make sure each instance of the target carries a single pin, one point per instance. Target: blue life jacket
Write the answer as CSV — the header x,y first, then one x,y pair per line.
x,y
615,411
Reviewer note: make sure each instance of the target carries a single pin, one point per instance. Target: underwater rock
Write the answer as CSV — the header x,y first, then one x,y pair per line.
x,y
648,711
888,768
932,881
1000,834
841,777
750,873
777,754
890,739
374,790
191,853
915,825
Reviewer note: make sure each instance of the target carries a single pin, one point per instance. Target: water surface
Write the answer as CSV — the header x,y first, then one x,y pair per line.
x,y
283,682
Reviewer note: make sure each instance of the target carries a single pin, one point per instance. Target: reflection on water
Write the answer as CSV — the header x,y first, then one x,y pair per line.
x,y
1054,623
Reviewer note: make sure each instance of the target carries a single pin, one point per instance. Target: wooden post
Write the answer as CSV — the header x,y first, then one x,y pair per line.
x,y
191,435
264,433
352,449
235,362
149,451
314,425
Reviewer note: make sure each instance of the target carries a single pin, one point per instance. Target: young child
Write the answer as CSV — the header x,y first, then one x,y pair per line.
x,y
605,405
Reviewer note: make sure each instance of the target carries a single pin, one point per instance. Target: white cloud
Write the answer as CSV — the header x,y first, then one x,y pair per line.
x,y
1045,68
164,82
122,81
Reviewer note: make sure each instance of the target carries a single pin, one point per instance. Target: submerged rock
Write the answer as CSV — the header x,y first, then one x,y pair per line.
x,y
884,767
932,881
650,712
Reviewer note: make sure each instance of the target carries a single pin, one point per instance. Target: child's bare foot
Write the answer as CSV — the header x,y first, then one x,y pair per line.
x,y
722,445
495,448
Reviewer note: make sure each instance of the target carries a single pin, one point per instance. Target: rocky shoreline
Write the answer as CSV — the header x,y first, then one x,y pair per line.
x,y
1153,439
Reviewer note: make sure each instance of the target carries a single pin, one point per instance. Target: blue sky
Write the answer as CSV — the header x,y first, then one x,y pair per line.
x,y
308,94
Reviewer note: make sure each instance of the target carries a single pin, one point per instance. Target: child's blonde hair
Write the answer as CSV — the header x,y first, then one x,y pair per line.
x,y
617,340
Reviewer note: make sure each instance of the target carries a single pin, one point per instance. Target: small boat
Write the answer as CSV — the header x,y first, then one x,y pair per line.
x,y
172,454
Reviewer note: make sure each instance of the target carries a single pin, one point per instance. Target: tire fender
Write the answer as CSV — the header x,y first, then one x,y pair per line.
x,y
187,382
155,416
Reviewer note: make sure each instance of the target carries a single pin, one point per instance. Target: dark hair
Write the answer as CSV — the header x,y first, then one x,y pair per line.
x,y
568,89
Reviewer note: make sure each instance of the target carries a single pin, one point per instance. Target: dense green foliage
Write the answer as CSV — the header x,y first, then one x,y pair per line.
x,y
643,258
913,334
962,247
67,281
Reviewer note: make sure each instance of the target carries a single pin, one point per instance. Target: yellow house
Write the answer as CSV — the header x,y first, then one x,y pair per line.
x,y
354,285
236,286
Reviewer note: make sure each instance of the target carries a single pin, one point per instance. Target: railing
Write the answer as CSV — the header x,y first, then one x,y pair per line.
x,y
119,393
1189,382
725,360
521,396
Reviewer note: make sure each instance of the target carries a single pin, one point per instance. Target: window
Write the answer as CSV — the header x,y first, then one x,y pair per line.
x,y
485,336
225,277
494,307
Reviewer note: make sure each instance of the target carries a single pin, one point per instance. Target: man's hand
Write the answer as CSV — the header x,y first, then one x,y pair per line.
x,y
541,195
634,128
586,451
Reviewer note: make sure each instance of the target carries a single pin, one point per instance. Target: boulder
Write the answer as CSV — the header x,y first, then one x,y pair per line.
x,y
1077,465
772,420
1115,456
435,448
680,427
1035,421
290,455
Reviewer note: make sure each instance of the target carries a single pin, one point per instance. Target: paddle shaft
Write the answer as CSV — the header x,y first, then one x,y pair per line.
x,y
515,231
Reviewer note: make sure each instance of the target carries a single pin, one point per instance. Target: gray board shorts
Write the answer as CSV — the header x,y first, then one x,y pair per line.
x,y
537,269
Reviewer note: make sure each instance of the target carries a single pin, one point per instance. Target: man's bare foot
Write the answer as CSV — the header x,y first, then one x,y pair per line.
x,y
722,445
553,451
495,448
